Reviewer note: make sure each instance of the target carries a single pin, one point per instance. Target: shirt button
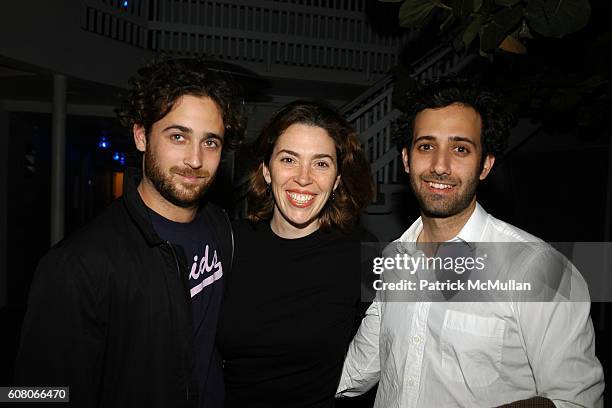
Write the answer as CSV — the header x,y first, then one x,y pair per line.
x,y
411,381
416,339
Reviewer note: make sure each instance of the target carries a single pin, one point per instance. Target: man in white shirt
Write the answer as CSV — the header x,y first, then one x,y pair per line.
x,y
468,354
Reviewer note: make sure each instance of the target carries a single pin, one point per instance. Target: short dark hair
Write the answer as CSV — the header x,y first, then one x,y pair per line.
x,y
356,188
442,92
156,88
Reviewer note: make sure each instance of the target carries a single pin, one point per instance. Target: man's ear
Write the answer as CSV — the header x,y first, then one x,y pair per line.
x,y
266,173
489,161
140,137
405,159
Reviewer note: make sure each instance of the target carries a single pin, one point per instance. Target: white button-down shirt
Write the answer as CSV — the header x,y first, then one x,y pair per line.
x,y
476,354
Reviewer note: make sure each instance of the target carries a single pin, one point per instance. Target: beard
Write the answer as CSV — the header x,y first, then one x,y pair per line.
x,y
441,205
181,195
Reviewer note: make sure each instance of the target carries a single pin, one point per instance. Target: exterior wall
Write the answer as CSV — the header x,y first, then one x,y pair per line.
x,y
49,37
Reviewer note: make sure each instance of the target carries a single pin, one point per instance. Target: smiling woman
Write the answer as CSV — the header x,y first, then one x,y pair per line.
x,y
330,143
293,297
302,174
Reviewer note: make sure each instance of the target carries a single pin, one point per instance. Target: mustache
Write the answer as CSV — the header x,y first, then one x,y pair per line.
x,y
435,179
189,172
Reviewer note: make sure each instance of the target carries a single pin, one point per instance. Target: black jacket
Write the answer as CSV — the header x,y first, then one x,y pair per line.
x,y
109,312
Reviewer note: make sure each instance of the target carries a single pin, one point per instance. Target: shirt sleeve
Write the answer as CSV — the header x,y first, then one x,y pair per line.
x,y
559,340
361,370
62,337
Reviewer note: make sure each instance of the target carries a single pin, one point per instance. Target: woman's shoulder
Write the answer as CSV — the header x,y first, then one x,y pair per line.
x,y
245,227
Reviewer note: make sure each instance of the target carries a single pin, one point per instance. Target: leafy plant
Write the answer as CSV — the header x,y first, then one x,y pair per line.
x,y
498,23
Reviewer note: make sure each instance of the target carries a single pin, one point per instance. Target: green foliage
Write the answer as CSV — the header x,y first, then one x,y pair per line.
x,y
493,20
557,18
499,26
563,84
413,13
471,32
507,3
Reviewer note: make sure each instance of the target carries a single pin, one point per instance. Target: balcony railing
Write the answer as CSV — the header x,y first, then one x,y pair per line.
x,y
122,20
328,40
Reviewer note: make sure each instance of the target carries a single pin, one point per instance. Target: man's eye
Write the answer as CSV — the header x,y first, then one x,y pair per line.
x,y
425,146
322,164
288,160
177,137
462,149
211,143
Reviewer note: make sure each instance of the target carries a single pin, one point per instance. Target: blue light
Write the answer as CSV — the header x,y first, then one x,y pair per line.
x,y
125,4
103,143
120,157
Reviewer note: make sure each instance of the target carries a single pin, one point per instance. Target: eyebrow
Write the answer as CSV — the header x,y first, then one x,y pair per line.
x,y
316,156
462,139
179,127
451,138
184,129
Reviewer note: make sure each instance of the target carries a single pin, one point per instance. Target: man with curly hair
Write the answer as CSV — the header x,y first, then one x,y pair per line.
x,y
124,312
445,351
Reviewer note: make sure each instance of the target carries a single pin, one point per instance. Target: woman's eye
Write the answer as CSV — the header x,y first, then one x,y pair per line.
x,y
322,164
287,160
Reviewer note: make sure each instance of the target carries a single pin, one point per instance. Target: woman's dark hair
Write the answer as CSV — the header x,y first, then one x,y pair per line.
x,y
356,187
157,86
442,92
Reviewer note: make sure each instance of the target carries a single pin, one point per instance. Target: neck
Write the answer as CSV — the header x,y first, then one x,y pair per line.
x,y
286,230
443,229
156,202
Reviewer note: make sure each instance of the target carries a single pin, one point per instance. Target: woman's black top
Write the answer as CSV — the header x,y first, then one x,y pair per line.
x,y
288,316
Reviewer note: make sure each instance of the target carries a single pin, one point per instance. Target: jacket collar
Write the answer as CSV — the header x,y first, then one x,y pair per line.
x,y
136,208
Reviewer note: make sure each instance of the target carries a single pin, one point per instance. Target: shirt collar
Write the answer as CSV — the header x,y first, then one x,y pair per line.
x,y
472,231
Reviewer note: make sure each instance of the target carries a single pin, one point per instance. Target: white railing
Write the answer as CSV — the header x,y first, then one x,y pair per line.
x,y
122,20
285,39
327,40
344,5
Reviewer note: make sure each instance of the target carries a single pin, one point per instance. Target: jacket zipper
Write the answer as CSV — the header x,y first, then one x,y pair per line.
x,y
178,273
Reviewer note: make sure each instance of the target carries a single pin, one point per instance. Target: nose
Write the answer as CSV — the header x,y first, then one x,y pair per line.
x,y
303,176
193,156
441,163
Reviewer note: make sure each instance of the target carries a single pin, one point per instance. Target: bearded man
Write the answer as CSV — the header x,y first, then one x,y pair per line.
x,y
448,353
124,311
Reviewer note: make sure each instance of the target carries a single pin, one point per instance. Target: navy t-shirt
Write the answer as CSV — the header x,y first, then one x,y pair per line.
x,y
205,277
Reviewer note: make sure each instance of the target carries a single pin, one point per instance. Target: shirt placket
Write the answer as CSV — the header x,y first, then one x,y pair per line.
x,y
414,357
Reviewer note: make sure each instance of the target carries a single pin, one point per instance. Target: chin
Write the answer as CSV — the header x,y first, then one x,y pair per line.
x,y
300,223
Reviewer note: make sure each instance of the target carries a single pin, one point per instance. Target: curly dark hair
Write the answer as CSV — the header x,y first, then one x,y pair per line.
x,y
157,86
442,92
356,188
